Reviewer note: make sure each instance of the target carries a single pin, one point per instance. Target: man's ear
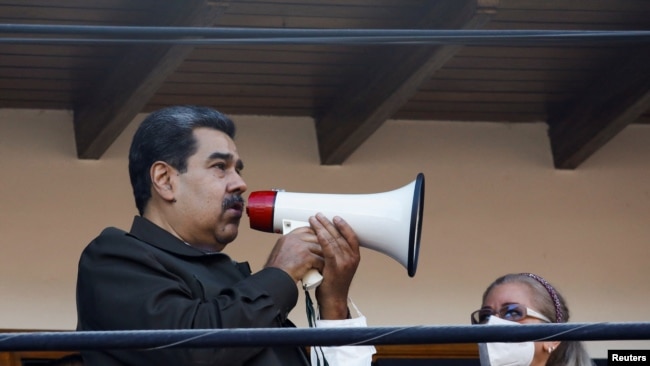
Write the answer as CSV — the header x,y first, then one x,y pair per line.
x,y
161,180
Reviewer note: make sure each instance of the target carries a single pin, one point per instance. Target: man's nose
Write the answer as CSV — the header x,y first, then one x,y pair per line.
x,y
238,184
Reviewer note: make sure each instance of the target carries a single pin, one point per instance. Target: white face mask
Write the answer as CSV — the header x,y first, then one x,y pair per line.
x,y
505,354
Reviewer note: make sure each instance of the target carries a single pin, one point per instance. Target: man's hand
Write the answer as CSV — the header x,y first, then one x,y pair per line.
x,y
296,253
340,250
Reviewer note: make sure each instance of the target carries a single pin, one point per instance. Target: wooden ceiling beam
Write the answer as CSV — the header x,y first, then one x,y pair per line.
x,y
376,95
621,97
131,83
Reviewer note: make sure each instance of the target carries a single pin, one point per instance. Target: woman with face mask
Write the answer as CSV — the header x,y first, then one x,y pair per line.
x,y
525,298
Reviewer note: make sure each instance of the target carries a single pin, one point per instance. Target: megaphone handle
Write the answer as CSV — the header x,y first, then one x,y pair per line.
x,y
313,278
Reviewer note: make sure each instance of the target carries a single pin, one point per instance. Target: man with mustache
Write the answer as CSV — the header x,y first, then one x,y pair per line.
x,y
169,272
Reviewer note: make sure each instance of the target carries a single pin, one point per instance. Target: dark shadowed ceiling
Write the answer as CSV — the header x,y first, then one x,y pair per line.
x,y
587,90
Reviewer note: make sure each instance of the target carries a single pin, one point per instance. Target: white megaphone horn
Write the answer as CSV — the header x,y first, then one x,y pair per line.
x,y
388,222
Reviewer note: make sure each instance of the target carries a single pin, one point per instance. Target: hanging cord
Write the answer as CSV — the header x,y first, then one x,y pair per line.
x,y
311,317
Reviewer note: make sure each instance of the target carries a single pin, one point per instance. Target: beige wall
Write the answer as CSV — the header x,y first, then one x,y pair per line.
x,y
494,204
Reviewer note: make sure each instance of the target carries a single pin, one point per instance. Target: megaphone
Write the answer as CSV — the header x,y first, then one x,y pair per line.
x,y
388,222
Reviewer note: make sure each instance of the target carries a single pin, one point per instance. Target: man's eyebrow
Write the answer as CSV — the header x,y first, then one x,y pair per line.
x,y
220,155
226,156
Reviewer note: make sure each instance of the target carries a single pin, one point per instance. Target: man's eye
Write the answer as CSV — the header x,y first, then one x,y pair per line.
x,y
221,166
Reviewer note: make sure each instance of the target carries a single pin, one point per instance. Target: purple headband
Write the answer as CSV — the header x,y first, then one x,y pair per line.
x,y
551,291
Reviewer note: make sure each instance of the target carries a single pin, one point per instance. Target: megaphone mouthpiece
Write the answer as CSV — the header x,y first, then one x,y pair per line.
x,y
260,209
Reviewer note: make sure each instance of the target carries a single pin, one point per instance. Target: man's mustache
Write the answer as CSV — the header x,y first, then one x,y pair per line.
x,y
233,201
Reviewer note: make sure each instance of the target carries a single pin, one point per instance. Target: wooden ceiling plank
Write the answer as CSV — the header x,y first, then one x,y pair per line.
x,y
295,56
55,62
278,21
370,3
477,116
507,63
473,96
592,5
572,52
101,4
496,86
43,84
366,104
28,73
41,15
264,68
568,26
261,101
57,50
27,95
243,110
321,10
574,16
236,90
133,81
34,104
608,106
516,75
253,79
475,106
